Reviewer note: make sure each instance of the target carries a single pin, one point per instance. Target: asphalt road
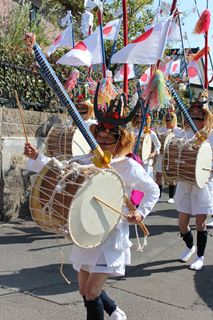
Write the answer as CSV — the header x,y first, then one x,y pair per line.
x,y
156,286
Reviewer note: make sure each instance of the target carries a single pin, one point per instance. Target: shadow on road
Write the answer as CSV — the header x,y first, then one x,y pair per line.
x,y
44,280
149,268
204,284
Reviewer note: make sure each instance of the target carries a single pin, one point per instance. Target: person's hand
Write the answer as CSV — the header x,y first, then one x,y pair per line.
x,y
30,151
152,155
134,217
30,40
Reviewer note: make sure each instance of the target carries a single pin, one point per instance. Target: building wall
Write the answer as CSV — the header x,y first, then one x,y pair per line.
x,y
5,7
15,180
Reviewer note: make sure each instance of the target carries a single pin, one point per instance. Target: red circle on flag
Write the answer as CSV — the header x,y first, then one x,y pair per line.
x,y
192,72
144,77
122,71
144,36
174,67
107,30
56,41
81,46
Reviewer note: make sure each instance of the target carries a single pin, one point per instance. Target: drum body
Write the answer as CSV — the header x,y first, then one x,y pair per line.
x,y
164,139
145,147
66,140
62,202
187,161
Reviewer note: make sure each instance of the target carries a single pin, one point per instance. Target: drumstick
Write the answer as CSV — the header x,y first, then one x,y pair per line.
x,y
109,206
206,169
141,224
21,115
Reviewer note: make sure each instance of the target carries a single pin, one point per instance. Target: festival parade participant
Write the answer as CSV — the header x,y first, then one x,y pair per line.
x,y
192,200
169,126
95,265
136,124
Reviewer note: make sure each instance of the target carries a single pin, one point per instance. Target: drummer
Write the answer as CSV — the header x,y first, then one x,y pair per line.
x,y
136,124
191,200
95,265
169,125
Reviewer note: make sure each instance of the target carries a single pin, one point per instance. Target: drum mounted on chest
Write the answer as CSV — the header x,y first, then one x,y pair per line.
x,y
62,202
187,161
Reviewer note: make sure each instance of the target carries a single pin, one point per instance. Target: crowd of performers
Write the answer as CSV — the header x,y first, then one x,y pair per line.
x,y
95,265
117,128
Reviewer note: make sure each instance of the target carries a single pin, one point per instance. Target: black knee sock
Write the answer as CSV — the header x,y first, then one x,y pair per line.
x,y
109,304
160,187
188,239
201,242
95,309
171,191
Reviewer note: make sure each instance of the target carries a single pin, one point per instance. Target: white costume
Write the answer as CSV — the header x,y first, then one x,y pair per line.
x,y
112,256
189,198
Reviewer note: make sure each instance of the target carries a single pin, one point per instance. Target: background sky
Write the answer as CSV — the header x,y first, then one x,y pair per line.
x,y
188,23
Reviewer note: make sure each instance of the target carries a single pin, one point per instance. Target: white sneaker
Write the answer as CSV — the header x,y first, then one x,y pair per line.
x,y
210,223
171,200
118,314
186,254
197,264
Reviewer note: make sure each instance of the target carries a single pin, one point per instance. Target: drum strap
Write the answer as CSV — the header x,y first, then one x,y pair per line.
x,y
62,261
140,246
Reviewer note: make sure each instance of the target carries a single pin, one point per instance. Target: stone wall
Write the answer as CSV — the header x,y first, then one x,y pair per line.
x,y
15,180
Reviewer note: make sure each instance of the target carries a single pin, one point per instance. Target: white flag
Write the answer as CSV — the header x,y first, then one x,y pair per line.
x,y
89,5
85,52
146,49
63,40
174,33
165,67
175,67
67,19
111,29
119,76
144,79
86,23
194,73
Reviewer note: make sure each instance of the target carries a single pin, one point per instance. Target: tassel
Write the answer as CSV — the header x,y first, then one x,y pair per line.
x,y
199,54
203,23
156,91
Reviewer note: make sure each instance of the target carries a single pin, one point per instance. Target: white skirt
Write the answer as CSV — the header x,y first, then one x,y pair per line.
x,y
158,164
102,267
109,257
192,200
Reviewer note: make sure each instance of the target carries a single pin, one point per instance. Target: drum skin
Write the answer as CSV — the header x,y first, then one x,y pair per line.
x,y
145,148
66,140
62,202
188,162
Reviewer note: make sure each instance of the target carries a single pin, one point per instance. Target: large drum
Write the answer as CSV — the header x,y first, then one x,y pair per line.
x,y
64,139
62,202
187,161
145,147
164,140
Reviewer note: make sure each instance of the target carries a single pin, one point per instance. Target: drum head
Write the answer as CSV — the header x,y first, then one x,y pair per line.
x,y
90,221
146,148
203,164
79,145
167,139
